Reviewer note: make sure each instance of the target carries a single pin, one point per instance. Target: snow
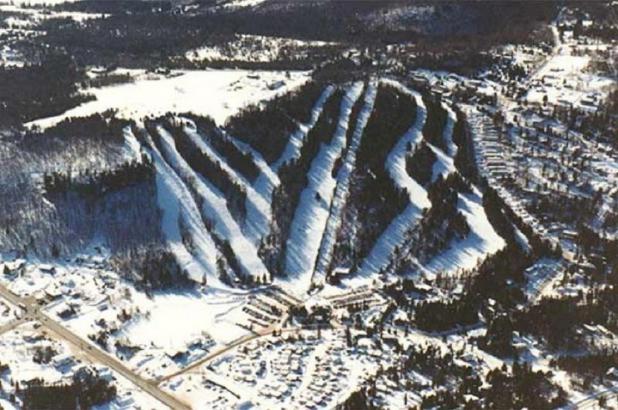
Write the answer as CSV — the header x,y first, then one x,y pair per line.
x,y
255,48
311,214
451,148
341,191
257,207
33,17
394,235
177,204
296,140
8,313
294,373
266,182
396,160
443,166
216,93
215,207
162,328
35,2
563,79
236,4
480,242
16,350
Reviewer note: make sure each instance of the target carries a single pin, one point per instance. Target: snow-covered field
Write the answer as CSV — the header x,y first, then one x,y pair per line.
x,y
216,93
254,48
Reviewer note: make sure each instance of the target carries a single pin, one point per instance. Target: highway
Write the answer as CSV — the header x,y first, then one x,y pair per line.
x,y
33,312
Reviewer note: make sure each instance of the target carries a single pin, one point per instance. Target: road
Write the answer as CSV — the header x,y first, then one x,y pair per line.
x,y
93,353
592,402
214,355
7,327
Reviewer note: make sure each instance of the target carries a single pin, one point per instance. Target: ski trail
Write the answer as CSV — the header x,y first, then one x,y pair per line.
x,y
481,241
256,226
312,212
444,164
447,135
394,236
257,207
214,208
342,189
177,204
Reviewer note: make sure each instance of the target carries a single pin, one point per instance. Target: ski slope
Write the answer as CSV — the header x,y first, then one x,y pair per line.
x,y
394,236
178,206
214,208
341,191
312,213
257,207
258,227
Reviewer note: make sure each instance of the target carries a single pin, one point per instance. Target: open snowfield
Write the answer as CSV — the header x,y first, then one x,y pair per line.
x,y
216,93
201,314
564,80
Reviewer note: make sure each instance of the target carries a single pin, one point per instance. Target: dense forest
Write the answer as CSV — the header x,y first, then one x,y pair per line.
x,y
87,389
267,127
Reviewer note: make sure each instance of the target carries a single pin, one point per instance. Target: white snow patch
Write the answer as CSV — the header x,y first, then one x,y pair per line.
x,y
215,93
